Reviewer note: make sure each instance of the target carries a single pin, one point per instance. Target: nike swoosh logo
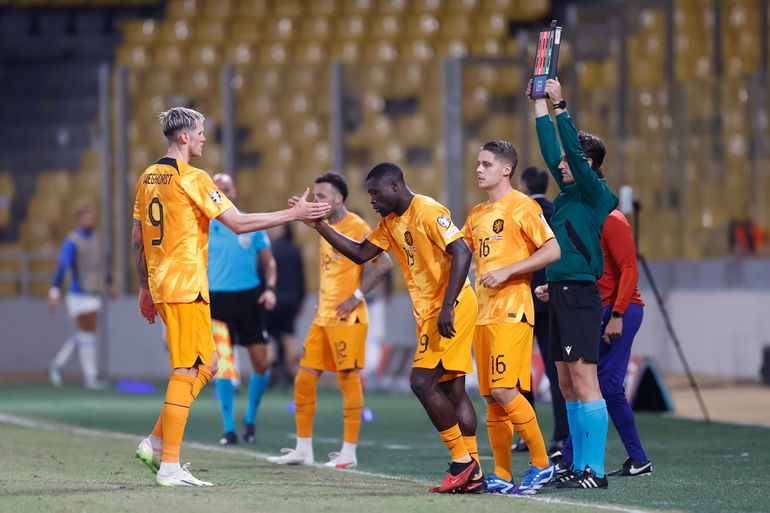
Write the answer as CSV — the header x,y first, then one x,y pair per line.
x,y
634,471
496,380
418,359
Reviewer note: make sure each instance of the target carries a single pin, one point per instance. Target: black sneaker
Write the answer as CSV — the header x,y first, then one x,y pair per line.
x,y
587,479
563,474
248,434
228,438
633,468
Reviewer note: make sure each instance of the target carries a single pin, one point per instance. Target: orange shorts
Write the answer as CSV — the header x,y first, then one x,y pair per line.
x,y
503,355
188,333
337,347
454,353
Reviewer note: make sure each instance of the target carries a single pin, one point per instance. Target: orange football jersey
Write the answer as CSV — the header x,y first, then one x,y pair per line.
x,y
174,203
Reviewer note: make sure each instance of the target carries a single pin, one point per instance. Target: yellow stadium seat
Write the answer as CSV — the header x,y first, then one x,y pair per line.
x,y
421,6
353,26
489,46
323,7
140,31
275,54
306,78
417,50
242,54
205,55
182,9
176,31
255,8
492,24
346,51
381,51
417,130
463,6
457,25
357,6
529,10
387,27
423,26
291,8
218,10
170,56
393,6
211,31
308,128
267,79
316,29
134,55
300,102
245,29
311,52
282,28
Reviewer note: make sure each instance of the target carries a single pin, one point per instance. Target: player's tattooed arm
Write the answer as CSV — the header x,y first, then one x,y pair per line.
x,y
139,258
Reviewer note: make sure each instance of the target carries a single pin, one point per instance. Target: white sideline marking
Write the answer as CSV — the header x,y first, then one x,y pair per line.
x,y
52,426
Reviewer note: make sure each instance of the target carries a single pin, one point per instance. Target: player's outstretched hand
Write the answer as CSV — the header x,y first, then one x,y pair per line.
x,y
147,305
494,279
308,212
541,292
553,90
446,322
346,307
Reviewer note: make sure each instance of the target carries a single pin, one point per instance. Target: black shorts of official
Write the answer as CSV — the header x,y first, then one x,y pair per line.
x,y
575,310
242,314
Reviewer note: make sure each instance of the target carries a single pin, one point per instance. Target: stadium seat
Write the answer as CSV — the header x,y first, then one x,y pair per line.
x,y
394,6
211,31
323,7
205,55
140,31
318,28
357,6
289,8
246,30
351,27
253,8
178,9
311,52
463,6
423,26
169,56
282,29
387,27
277,53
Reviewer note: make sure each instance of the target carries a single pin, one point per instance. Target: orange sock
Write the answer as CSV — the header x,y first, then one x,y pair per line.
x,y
352,404
453,439
175,412
472,447
204,376
500,431
524,421
304,401
158,429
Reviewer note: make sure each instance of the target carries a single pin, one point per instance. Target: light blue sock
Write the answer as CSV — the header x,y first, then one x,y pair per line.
x,y
576,431
257,386
595,423
226,395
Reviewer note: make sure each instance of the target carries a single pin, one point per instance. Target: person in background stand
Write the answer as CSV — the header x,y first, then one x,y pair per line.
x,y
534,182
290,292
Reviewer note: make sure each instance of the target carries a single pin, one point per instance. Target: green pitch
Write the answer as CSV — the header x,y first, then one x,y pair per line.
x,y
46,467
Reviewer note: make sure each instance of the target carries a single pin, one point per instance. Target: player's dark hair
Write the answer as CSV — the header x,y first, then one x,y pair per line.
x,y
536,179
387,170
504,151
594,149
337,181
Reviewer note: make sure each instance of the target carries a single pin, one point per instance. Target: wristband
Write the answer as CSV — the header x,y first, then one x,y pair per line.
x,y
617,315
560,105
358,294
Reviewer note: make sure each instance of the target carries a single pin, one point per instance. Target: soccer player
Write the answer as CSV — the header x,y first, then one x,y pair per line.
x,y
623,313
174,203
434,260
337,338
510,239
81,255
235,298
575,306
534,182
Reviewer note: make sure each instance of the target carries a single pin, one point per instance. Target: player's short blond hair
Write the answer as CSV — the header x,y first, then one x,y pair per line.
x,y
177,119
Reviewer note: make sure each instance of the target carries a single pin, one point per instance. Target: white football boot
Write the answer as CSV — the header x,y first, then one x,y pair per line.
x,y
292,457
181,477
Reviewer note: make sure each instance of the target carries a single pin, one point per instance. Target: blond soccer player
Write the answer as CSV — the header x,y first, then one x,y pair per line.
x,y
336,341
174,204
510,240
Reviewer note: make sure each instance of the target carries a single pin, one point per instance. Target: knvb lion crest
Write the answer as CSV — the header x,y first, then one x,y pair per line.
x,y
408,238
498,225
